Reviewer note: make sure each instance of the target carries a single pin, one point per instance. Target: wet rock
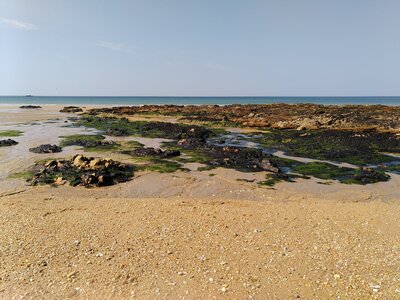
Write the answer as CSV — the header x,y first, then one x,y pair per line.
x,y
94,144
124,127
143,152
47,148
81,170
240,158
368,175
8,142
30,106
268,165
71,109
191,142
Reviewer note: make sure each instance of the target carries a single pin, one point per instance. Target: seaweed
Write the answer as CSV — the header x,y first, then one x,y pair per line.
x,y
354,147
88,142
10,133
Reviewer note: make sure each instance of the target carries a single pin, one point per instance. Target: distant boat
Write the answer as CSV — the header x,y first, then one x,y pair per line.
x,y
28,96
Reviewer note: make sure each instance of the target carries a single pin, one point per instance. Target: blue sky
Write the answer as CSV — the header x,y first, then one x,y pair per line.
x,y
208,47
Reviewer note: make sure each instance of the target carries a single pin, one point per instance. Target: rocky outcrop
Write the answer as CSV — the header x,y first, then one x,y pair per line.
x,y
46,148
30,106
144,152
81,170
366,175
239,158
71,109
280,116
8,142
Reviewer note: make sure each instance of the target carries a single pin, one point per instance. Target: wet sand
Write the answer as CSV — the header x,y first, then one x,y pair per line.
x,y
191,234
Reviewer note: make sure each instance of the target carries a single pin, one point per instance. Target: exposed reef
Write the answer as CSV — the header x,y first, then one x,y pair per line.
x,y
88,142
280,116
207,146
149,152
123,127
71,109
355,147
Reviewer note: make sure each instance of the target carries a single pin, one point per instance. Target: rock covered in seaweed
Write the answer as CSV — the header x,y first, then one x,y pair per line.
x,y
46,148
277,115
83,171
7,142
366,175
71,109
153,152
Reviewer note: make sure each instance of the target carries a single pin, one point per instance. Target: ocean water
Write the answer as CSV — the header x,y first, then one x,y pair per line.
x,y
118,101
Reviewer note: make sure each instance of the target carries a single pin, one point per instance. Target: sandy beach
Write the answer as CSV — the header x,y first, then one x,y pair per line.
x,y
190,235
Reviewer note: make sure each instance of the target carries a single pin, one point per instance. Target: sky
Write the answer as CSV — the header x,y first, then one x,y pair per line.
x,y
200,48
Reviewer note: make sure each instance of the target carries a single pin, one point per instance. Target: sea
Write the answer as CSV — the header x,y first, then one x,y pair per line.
x,y
138,100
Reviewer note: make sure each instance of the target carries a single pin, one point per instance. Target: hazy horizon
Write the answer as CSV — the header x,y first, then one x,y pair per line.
x,y
211,48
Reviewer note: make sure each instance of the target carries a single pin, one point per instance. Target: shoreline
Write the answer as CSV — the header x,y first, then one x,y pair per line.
x,y
100,105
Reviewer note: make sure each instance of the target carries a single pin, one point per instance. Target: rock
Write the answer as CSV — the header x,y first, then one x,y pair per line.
x,y
8,142
80,161
30,106
368,175
95,163
153,152
51,163
81,170
105,180
267,165
89,178
47,148
191,142
60,181
71,109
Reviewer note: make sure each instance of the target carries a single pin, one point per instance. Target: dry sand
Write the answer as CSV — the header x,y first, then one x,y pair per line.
x,y
195,236
59,247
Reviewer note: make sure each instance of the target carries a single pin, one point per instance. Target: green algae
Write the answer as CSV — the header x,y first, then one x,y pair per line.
x,y
354,147
10,133
161,166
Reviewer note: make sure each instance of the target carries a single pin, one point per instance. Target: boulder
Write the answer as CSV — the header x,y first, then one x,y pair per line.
x,y
8,142
80,161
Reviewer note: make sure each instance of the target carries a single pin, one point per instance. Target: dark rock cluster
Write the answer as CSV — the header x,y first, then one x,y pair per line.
x,y
245,159
368,175
71,109
46,148
144,152
7,142
83,171
30,106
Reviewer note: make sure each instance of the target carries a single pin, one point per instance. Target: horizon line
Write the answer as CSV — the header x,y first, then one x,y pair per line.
x,y
208,96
